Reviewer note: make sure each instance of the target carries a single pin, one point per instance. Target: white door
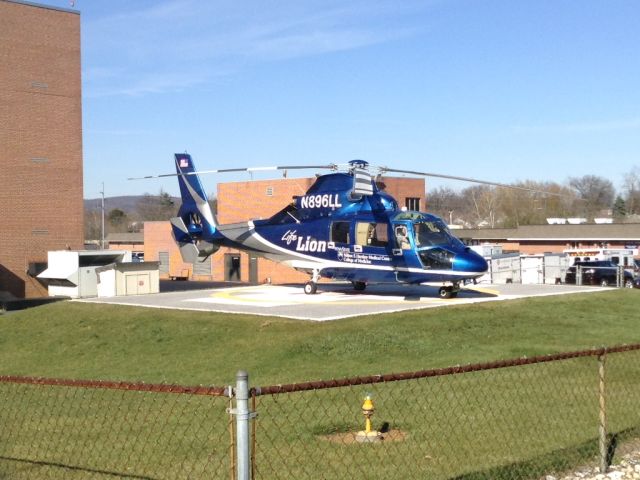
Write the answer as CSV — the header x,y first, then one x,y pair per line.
x,y
138,283
131,284
531,270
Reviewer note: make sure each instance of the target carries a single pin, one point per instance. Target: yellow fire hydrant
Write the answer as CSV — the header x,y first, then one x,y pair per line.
x,y
368,434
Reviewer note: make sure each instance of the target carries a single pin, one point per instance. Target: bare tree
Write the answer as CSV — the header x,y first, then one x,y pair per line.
x,y
445,202
482,203
156,207
631,187
520,207
92,224
597,193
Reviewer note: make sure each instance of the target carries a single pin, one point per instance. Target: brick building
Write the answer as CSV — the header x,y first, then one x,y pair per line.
x,y
242,201
41,206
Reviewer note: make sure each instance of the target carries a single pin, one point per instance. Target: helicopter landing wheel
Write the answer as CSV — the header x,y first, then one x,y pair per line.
x,y
359,286
310,288
447,292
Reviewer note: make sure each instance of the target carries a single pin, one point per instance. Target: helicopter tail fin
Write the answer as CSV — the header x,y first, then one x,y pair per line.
x,y
194,229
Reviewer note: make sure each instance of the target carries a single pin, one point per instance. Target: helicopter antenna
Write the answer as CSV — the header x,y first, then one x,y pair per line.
x,y
384,170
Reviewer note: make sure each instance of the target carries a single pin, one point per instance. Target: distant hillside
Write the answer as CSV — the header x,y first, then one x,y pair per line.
x,y
127,204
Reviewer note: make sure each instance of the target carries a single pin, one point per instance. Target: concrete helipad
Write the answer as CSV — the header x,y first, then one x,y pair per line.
x,y
333,301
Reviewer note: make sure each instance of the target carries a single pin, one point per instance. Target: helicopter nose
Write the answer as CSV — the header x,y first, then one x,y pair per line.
x,y
470,261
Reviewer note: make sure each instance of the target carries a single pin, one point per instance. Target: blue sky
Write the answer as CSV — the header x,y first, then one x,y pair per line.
x,y
500,90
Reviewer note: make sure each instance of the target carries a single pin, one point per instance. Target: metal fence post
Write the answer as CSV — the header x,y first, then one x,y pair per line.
x,y
602,443
491,270
242,425
232,435
579,275
620,277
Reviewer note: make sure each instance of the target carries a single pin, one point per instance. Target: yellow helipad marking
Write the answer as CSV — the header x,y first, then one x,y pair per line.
x,y
274,296
488,291
288,297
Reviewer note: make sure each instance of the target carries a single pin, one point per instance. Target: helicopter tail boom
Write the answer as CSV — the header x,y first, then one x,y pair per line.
x,y
194,229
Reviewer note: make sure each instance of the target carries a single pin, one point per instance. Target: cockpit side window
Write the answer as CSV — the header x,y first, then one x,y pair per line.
x,y
402,237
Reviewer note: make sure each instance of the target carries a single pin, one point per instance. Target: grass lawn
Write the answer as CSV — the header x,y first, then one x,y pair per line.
x,y
510,423
91,341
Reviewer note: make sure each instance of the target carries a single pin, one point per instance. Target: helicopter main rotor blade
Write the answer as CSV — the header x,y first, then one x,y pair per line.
x,y
249,170
384,170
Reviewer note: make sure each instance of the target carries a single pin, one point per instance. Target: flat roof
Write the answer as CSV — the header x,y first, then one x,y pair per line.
x,y
609,231
133,237
40,5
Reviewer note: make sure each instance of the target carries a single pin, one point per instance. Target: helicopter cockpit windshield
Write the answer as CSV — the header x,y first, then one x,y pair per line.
x,y
431,234
430,231
436,246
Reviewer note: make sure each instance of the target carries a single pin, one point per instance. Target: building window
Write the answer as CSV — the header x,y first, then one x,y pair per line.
x,y
412,203
269,191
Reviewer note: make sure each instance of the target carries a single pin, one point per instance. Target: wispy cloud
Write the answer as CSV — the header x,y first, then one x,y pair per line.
x,y
140,83
120,133
206,39
579,127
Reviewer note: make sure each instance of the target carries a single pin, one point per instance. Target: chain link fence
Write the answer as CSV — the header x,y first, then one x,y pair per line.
x,y
515,419
603,276
54,429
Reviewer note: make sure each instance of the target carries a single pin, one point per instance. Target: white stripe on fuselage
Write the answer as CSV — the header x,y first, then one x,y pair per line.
x,y
322,264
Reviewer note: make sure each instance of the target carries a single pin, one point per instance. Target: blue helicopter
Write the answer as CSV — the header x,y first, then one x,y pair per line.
x,y
343,228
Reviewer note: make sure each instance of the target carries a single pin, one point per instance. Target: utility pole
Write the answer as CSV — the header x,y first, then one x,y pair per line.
x,y
102,230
